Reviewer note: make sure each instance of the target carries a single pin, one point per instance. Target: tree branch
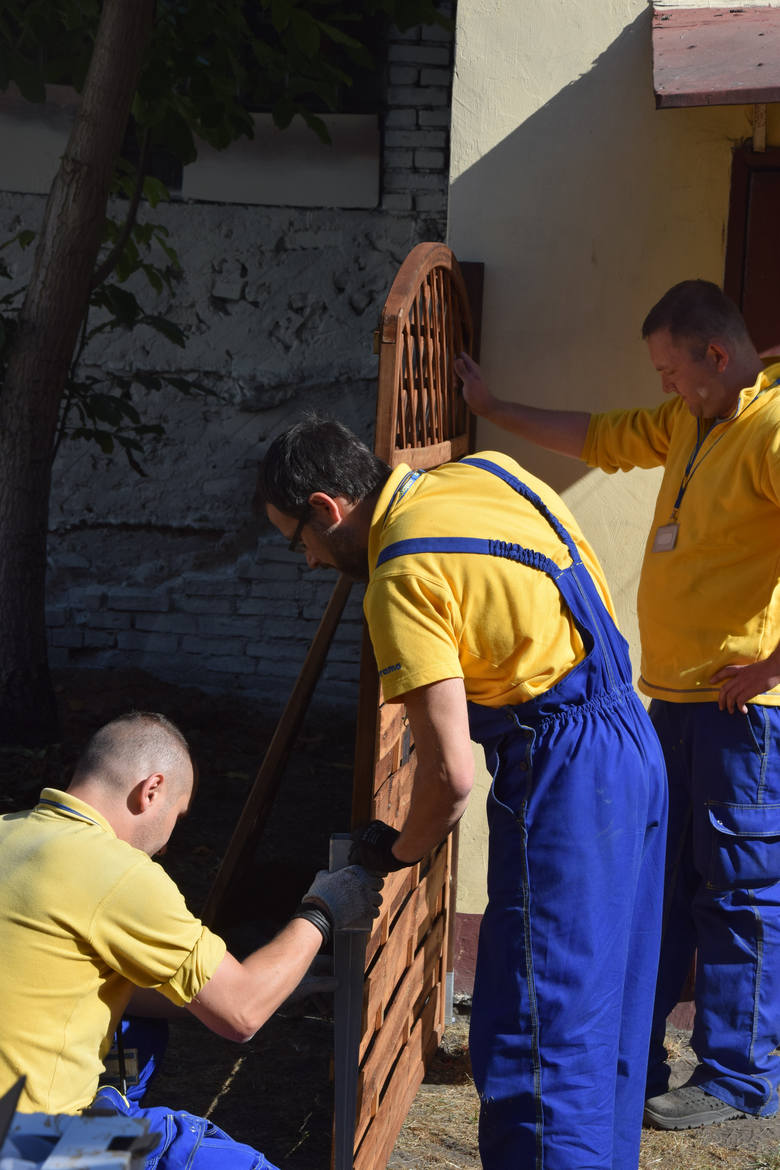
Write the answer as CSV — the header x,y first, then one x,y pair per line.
x,y
106,267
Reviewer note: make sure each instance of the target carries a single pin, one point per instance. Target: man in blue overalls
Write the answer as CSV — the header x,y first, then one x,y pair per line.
x,y
491,621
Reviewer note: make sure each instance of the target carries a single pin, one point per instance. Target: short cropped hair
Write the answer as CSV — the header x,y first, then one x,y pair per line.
x,y
318,454
138,740
697,311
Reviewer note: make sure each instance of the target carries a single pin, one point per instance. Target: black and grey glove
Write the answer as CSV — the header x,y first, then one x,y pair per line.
x,y
372,847
347,897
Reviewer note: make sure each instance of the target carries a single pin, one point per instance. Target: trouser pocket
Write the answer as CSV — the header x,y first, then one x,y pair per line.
x,y
745,845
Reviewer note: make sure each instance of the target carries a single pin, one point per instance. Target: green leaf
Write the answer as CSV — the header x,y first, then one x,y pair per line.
x,y
120,302
305,31
167,328
155,192
283,112
280,14
104,408
153,276
148,381
102,438
318,126
30,82
338,36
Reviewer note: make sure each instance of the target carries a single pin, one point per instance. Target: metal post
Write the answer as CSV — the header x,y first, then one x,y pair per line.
x,y
349,957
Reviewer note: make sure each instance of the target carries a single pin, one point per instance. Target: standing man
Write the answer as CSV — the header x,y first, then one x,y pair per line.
x,y
709,614
87,919
491,620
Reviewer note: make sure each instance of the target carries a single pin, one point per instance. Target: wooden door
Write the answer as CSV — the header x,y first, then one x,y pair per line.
x,y
421,420
753,243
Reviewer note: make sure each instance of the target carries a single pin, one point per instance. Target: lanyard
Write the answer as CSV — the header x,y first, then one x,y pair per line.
x,y
400,491
692,467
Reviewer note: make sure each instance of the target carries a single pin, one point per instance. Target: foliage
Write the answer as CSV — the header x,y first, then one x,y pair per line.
x,y
100,407
211,61
208,64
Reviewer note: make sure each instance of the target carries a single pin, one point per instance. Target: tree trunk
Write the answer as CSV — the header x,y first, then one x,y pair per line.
x,y
48,327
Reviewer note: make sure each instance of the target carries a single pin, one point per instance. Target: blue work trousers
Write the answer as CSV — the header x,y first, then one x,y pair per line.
x,y
568,948
722,897
186,1142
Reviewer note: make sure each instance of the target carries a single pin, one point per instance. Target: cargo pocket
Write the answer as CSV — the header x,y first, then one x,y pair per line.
x,y
745,848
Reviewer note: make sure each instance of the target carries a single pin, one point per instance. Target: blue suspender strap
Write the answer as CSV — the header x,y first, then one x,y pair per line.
x,y
466,544
493,548
530,495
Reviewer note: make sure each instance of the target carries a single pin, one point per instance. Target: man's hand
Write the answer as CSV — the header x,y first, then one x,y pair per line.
x,y
372,847
478,398
741,683
348,896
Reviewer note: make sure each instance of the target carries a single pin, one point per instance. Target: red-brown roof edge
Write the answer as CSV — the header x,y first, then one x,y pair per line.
x,y
716,56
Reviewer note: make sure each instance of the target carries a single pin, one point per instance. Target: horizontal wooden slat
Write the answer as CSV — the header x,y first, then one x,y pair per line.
x,y
405,937
391,799
425,458
418,982
380,1137
395,891
391,725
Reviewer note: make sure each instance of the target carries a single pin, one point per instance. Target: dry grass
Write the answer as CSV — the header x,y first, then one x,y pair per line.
x,y
440,1132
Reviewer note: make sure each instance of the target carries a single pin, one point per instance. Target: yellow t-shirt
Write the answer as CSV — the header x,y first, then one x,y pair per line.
x,y
497,624
714,598
83,918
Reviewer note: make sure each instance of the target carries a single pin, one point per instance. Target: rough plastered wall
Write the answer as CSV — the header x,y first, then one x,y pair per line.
x,y
170,572
585,204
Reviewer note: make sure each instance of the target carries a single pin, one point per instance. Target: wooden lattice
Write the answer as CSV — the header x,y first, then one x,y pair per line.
x,y
421,420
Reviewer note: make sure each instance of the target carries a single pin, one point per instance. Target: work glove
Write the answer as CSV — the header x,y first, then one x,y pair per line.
x,y
372,847
346,897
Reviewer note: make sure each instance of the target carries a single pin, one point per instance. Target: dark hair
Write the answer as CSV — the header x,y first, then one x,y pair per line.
x,y
697,311
318,455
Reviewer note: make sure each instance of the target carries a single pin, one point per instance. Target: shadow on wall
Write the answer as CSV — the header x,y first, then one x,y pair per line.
x,y
584,215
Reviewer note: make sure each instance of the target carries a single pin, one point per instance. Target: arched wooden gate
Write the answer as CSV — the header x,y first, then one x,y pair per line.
x,y
390,1004
421,420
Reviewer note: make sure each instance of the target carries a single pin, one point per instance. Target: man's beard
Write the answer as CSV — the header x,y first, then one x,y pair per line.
x,y
346,554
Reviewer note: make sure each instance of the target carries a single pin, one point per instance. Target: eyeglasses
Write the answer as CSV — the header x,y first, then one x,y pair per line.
x,y
295,544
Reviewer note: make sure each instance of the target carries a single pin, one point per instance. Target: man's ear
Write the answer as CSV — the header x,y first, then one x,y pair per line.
x,y
720,355
147,791
329,510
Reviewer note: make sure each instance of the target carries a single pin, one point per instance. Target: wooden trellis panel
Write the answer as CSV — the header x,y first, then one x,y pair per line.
x,y
423,421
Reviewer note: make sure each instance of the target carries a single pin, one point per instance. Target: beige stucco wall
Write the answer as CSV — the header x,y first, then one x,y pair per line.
x,y
585,204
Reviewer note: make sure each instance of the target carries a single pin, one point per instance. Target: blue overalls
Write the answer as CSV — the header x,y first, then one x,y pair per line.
x,y
185,1142
723,898
568,947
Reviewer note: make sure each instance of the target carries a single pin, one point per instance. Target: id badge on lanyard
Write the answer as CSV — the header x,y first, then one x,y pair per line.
x,y
666,537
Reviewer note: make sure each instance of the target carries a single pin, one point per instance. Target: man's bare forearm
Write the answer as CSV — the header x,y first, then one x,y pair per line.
x,y
563,431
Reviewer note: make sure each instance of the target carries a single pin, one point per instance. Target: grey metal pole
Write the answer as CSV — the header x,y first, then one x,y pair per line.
x,y
349,957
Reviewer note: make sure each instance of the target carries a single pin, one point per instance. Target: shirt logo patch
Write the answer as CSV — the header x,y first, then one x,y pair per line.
x,y
390,669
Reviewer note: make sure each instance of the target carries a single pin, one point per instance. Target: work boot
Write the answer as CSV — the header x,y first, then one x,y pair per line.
x,y
688,1107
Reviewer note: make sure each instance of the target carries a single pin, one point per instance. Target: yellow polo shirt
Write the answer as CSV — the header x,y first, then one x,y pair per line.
x,y
497,624
84,917
714,598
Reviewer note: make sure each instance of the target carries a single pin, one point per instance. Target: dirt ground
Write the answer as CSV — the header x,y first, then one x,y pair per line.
x,y
275,1092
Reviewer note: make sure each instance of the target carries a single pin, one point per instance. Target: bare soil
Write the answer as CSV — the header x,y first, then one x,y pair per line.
x,y
275,1092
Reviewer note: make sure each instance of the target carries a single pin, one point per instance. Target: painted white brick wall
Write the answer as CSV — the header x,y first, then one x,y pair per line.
x,y
171,573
